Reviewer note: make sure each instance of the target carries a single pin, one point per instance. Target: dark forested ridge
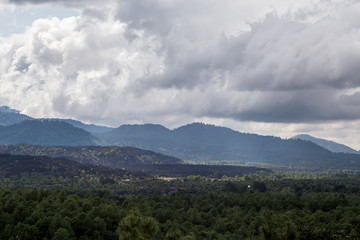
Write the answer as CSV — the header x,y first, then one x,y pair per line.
x,y
17,165
112,156
129,158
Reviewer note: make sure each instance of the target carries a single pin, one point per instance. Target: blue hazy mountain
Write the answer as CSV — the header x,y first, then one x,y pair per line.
x,y
92,128
10,116
330,145
207,143
7,109
43,132
193,142
138,135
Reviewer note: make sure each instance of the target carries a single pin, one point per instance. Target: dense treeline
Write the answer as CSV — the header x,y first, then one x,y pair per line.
x,y
111,156
134,184
220,209
11,165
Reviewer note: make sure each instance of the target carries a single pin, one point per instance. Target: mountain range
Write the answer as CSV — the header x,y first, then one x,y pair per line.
x,y
194,142
11,165
207,143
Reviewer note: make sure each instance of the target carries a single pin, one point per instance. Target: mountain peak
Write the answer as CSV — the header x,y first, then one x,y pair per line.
x,y
9,116
144,127
330,145
6,109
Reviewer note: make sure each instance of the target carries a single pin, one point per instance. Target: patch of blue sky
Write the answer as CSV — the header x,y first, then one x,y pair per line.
x,y
15,20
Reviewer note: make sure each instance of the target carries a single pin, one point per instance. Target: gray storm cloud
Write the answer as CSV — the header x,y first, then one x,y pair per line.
x,y
66,2
152,60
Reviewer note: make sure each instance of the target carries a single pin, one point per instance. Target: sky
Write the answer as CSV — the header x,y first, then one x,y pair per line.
x,y
271,67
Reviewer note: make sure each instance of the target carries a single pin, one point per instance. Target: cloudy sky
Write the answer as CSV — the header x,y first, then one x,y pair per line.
x,y
278,67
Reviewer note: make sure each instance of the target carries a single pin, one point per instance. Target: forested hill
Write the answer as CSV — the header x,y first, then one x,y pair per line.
x,y
11,165
207,143
43,132
116,157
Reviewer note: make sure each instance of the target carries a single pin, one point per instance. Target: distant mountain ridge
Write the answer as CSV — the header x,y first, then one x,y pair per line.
x,y
9,116
330,145
194,142
92,128
208,143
